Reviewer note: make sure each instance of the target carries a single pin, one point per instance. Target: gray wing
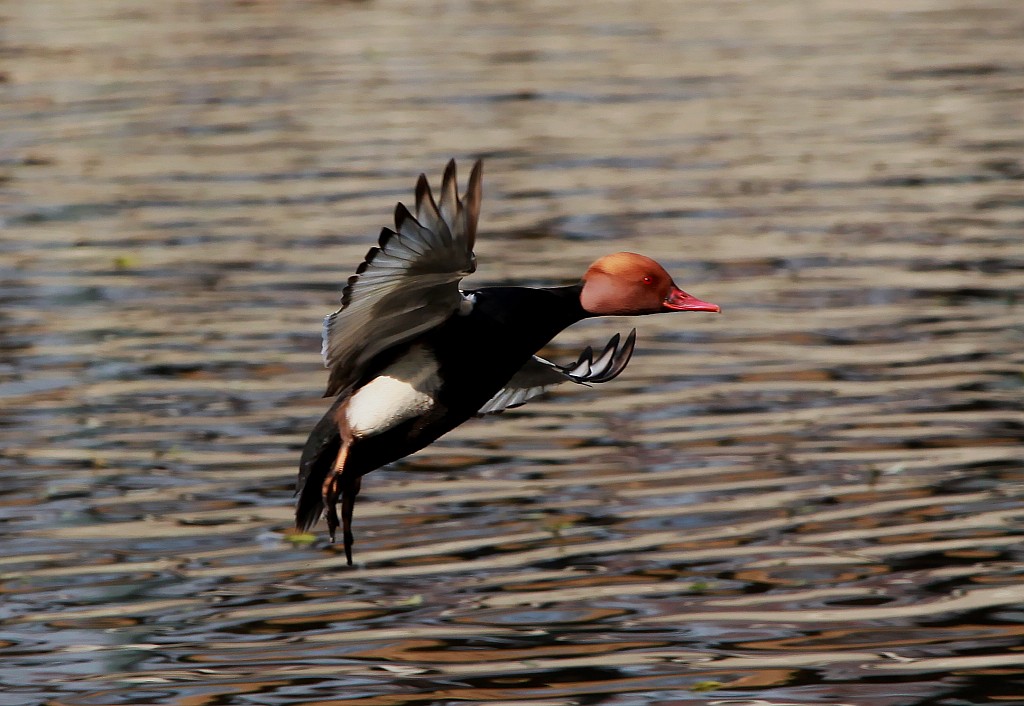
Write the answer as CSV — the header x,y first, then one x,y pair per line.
x,y
409,283
539,375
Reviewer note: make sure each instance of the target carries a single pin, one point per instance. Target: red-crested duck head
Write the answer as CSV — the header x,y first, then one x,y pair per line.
x,y
627,284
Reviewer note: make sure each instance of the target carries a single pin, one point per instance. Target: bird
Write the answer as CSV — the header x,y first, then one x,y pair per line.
x,y
411,355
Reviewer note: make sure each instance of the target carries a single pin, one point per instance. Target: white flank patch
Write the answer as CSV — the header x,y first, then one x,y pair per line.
x,y
403,390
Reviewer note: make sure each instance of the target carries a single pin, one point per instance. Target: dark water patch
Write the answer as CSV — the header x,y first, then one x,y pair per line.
x,y
258,177
569,97
27,160
611,226
949,71
995,145
999,202
78,108
919,561
962,296
1011,168
992,265
87,211
563,162
211,129
245,60
1004,172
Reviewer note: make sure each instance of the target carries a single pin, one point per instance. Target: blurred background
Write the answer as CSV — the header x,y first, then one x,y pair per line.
x,y
813,498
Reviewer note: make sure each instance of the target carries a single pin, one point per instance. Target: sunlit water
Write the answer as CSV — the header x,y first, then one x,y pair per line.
x,y
814,498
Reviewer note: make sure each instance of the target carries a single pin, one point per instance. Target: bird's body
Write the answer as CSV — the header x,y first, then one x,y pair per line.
x,y
412,356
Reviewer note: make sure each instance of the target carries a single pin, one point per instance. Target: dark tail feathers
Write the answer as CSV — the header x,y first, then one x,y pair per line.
x,y
317,458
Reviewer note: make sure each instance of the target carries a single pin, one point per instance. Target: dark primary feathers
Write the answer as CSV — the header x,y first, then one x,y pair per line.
x,y
540,375
408,283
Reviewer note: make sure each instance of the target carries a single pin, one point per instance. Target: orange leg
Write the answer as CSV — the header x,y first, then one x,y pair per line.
x,y
332,487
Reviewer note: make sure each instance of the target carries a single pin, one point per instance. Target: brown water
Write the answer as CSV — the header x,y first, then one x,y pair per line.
x,y
814,498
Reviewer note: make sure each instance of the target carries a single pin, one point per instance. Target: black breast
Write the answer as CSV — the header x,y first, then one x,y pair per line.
x,y
481,351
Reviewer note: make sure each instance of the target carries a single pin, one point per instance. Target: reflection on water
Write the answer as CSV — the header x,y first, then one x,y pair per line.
x,y
812,499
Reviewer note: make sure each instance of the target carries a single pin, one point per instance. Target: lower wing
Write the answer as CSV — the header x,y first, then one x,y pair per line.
x,y
539,375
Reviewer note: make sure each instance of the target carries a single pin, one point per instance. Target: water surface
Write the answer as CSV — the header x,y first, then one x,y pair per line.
x,y
814,498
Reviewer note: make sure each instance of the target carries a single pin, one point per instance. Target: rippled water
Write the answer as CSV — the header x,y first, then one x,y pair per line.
x,y
814,498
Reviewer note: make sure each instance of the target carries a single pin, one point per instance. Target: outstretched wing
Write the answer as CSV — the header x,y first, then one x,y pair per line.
x,y
539,375
409,283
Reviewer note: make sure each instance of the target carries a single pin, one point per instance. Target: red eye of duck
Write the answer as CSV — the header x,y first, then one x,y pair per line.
x,y
648,279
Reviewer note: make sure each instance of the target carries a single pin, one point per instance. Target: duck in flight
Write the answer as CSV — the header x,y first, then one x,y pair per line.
x,y
412,356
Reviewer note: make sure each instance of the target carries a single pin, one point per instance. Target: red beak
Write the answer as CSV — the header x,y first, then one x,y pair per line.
x,y
678,300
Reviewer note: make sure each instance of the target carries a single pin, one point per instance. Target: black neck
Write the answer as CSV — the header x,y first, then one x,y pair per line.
x,y
535,315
